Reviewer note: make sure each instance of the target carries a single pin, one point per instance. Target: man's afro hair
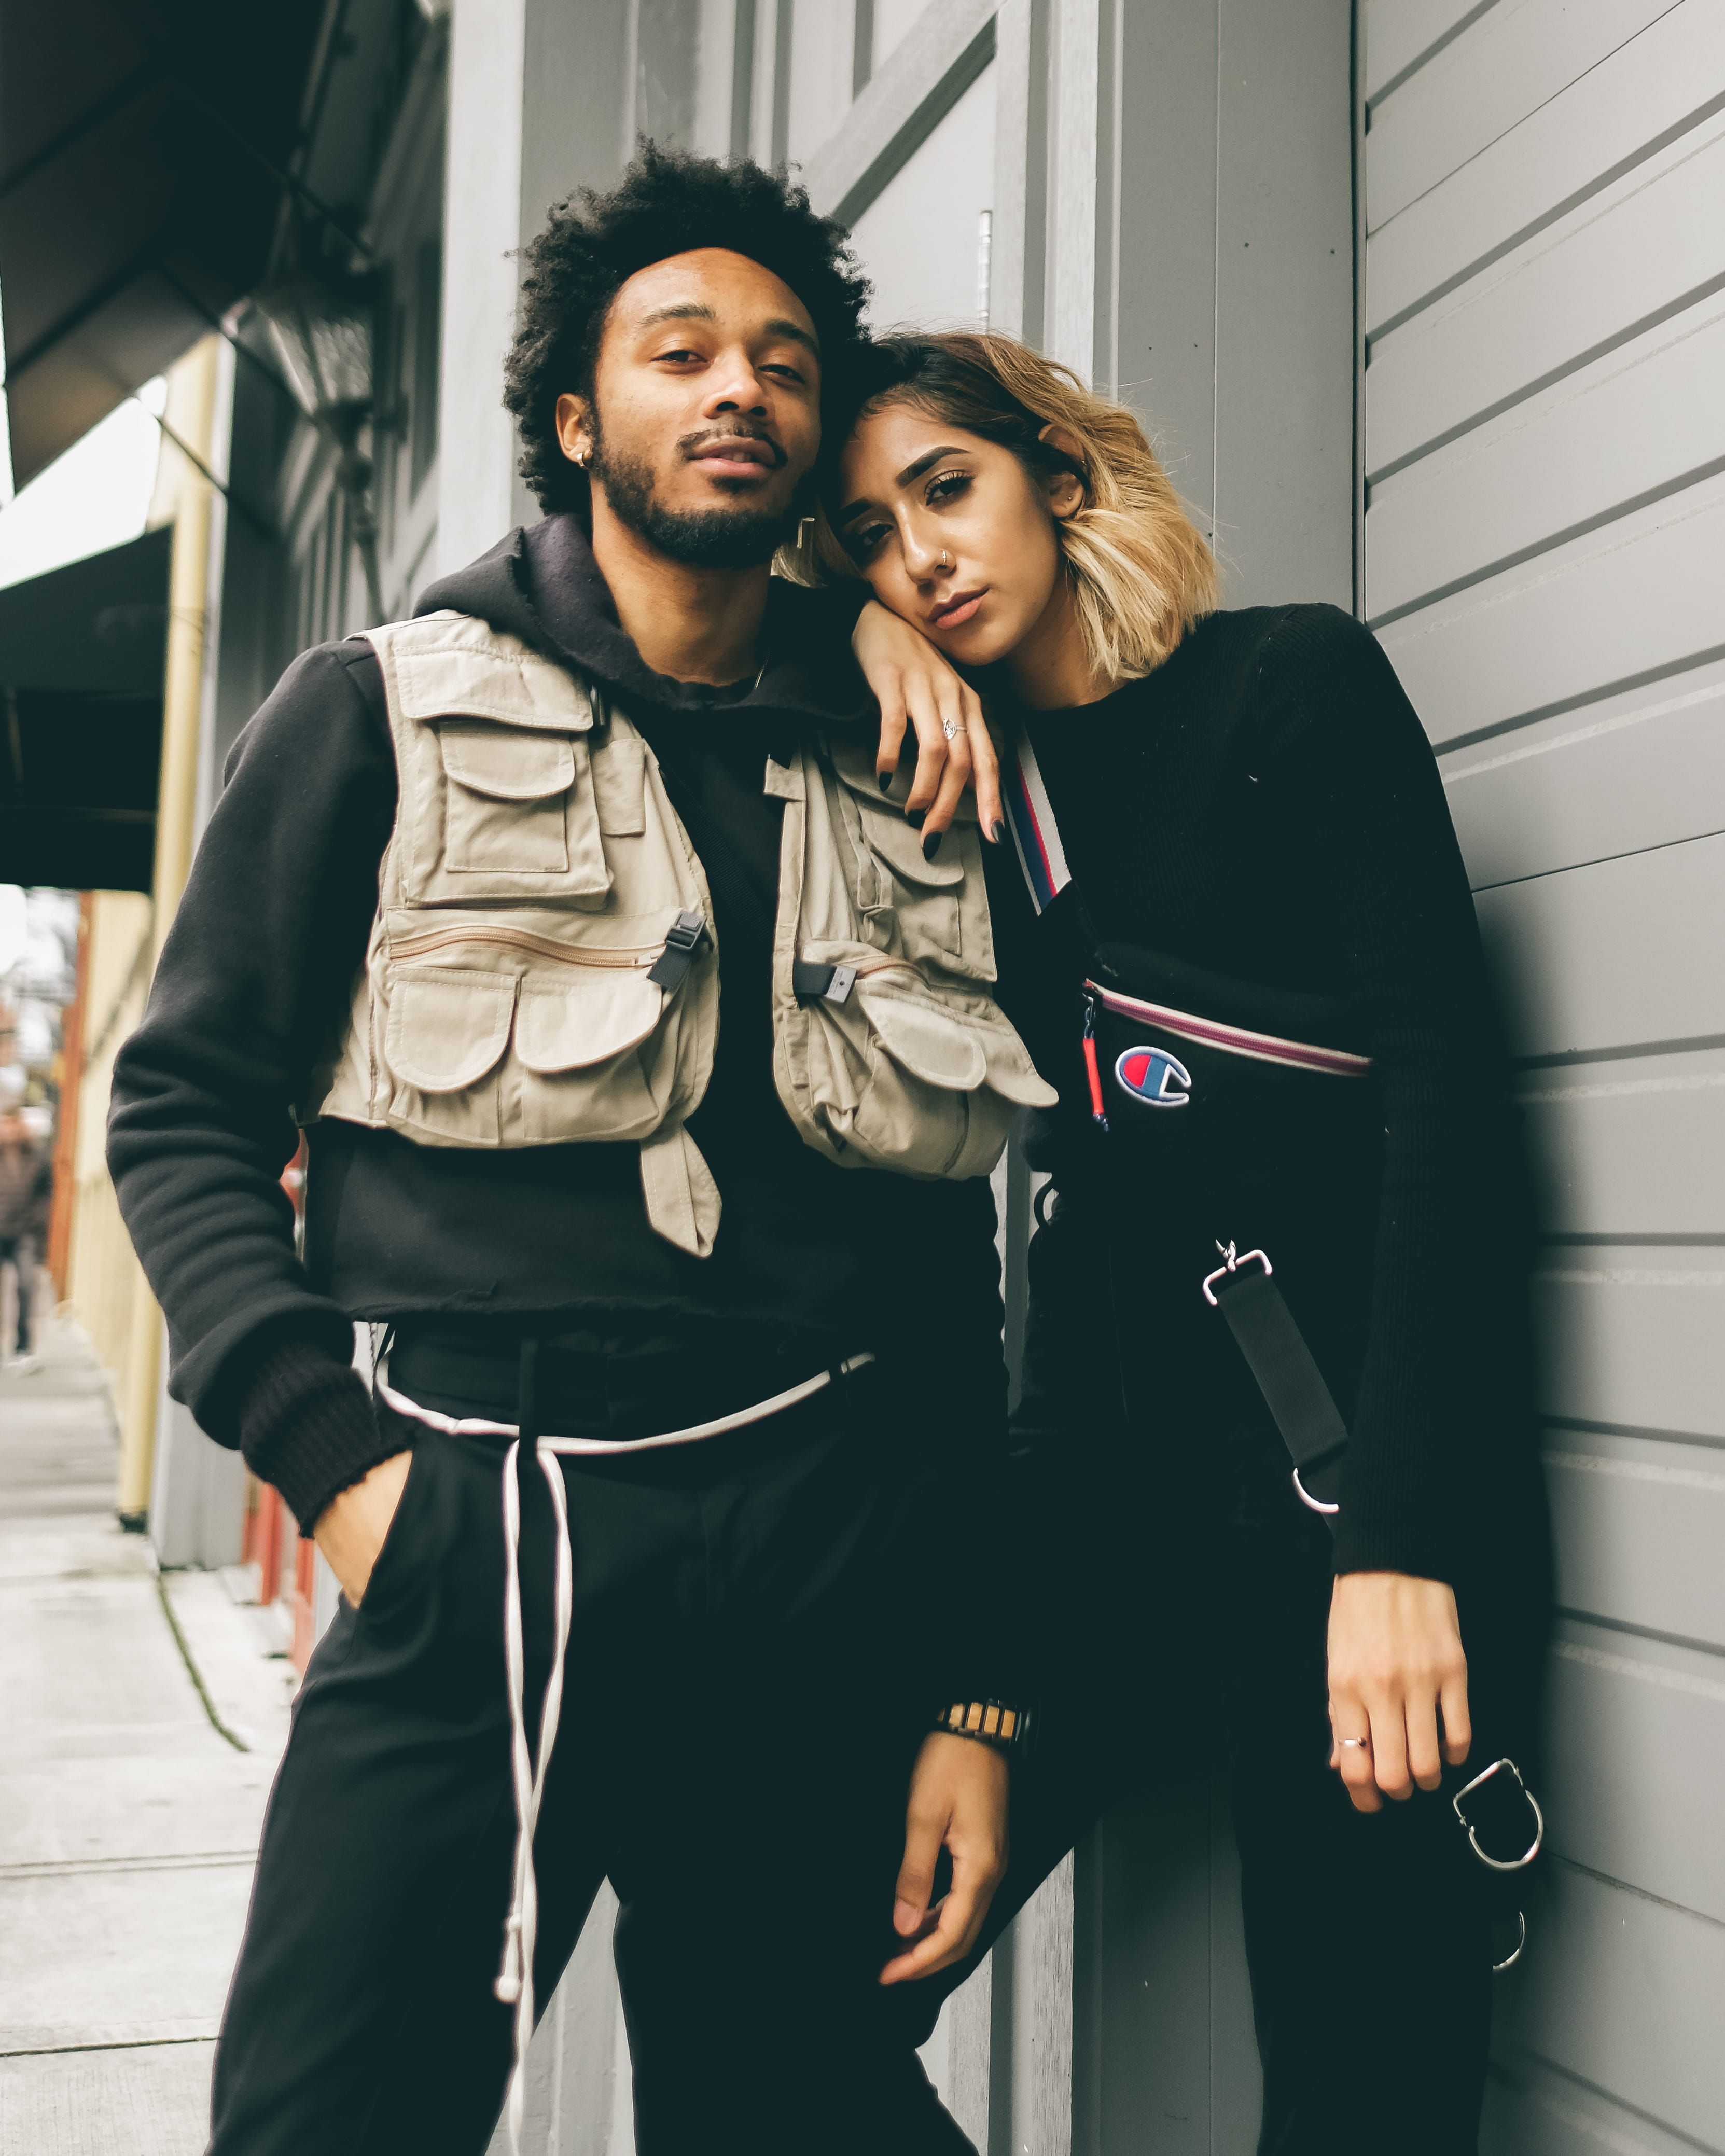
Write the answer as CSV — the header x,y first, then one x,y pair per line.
x,y
667,203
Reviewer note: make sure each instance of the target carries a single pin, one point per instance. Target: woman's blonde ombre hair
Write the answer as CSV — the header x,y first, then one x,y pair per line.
x,y
1142,572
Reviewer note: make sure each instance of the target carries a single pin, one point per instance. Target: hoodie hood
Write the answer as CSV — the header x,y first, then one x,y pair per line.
x,y
541,584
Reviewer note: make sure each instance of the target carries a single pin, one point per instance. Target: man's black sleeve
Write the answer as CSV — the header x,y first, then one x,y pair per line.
x,y
252,992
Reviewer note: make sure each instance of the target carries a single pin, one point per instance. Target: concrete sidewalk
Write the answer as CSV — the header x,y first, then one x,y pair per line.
x,y
128,1821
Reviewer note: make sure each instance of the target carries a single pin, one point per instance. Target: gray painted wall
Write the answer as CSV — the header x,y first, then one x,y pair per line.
x,y
1544,435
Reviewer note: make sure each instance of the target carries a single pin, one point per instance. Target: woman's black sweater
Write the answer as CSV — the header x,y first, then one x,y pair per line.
x,y
1265,806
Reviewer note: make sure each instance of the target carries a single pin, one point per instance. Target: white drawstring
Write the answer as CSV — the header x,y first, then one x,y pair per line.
x,y
515,1978
520,1930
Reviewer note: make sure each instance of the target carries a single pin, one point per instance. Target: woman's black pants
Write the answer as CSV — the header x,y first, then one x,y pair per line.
x,y
1179,1595
738,1729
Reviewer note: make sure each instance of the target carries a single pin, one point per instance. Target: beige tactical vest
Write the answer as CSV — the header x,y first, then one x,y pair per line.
x,y
542,970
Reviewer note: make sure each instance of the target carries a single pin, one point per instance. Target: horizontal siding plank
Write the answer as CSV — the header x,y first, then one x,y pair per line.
x,y
1531,2111
1639,594
1623,1993
1613,261
1516,57
1639,1523
1629,1147
1647,89
1619,954
1633,1338
1641,419
1397,32
1619,1705
1645,769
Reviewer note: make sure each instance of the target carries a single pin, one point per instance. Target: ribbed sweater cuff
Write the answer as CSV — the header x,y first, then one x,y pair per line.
x,y
307,1426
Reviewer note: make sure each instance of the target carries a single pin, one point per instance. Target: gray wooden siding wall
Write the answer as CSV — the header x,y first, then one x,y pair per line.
x,y
1543,300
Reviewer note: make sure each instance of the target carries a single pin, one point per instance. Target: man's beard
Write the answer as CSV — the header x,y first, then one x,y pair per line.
x,y
739,538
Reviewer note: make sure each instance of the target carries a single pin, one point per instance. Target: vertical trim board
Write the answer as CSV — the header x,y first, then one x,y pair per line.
x,y
1284,500
1071,327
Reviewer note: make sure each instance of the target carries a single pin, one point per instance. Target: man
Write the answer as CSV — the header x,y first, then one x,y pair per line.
x,y
763,1623
26,1184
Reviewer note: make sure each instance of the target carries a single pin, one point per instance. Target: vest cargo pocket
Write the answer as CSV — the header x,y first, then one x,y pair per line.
x,y
579,1037
891,868
448,1030
518,818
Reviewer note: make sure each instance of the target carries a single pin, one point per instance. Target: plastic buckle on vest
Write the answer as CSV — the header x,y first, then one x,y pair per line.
x,y
688,932
831,984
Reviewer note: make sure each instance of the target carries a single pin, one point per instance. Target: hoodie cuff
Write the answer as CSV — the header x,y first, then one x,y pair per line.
x,y
308,1426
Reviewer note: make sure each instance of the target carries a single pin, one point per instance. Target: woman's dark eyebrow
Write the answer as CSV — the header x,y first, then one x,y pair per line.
x,y
912,471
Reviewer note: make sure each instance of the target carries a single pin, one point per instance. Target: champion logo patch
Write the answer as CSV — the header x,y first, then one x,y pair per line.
x,y
1153,1076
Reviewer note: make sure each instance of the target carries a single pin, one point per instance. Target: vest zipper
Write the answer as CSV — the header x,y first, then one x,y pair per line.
x,y
632,957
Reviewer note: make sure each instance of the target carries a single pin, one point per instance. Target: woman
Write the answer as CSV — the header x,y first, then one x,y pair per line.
x,y
1242,888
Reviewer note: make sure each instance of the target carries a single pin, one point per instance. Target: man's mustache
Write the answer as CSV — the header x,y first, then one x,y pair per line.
x,y
689,443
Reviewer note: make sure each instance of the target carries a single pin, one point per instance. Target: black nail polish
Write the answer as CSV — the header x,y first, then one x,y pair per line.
x,y
931,845
914,817
997,832
886,778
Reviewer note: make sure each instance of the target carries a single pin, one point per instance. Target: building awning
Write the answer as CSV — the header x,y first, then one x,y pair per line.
x,y
144,153
82,651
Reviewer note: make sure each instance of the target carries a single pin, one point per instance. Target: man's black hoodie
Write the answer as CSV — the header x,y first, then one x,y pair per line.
x,y
252,993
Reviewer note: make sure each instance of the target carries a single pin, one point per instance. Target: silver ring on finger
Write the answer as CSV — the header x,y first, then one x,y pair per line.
x,y
951,729
1358,1743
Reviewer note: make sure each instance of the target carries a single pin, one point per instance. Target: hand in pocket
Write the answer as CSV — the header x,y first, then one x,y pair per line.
x,y
353,1526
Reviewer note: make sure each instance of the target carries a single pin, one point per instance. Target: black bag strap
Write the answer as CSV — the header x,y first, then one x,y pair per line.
x,y
1293,1387
1245,1290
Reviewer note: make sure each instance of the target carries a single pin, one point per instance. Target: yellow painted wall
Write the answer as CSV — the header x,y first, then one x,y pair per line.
x,y
103,1278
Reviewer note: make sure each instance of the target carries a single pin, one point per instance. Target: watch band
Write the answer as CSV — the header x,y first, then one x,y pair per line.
x,y
989,1720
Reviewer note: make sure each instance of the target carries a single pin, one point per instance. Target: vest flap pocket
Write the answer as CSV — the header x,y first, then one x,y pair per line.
x,y
504,764
938,1046
448,1025
1012,1074
585,1016
898,845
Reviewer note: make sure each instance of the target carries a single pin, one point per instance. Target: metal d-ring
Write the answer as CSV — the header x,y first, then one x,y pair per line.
x,y
1497,1863
1514,1955
1232,1263
1313,1504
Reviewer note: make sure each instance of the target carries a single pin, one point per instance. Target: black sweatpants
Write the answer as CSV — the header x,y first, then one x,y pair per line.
x,y
747,1688
1182,1595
